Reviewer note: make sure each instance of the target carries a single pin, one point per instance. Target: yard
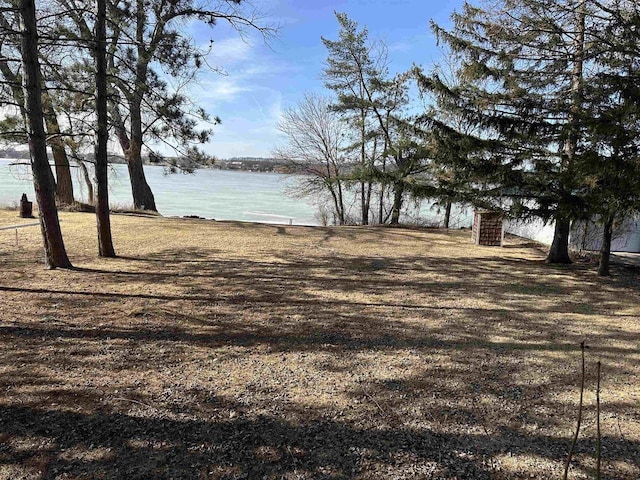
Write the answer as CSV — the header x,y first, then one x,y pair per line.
x,y
223,350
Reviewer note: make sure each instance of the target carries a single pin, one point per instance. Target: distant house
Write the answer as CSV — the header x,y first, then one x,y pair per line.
x,y
584,235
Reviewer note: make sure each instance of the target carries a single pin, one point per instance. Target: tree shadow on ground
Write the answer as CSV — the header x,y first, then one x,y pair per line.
x,y
183,364
113,445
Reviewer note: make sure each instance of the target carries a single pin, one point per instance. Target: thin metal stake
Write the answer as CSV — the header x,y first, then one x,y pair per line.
x,y
579,421
599,433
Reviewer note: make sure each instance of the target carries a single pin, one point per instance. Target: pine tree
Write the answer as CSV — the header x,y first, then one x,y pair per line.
x,y
523,71
146,43
353,66
12,80
612,152
105,241
374,105
44,184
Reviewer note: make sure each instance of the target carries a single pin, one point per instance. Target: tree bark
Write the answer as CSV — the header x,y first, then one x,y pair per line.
x,y
87,181
605,249
398,194
337,204
43,181
341,217
143,198
364,204
559,251
364,211
447,214
64,185
367,206
105,241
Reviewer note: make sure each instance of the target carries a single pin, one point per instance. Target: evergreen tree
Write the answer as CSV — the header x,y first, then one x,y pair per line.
x,y
147,45
353,67
452,142
12,80
44,184
374,105
523,71
612,160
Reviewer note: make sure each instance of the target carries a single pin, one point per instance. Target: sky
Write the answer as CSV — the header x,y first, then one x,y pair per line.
x,y
261,78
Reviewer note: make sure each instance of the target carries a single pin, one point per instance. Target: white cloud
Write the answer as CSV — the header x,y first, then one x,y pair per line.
x,y
250,132
402,46
229,51
217,89
247,97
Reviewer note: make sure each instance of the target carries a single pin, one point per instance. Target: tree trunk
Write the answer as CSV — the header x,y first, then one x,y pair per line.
x,y
447,214
559,251
381,205
363,163
605,249
143,198
105,242
334,186
368,200
64,185
398,193
364,211
43,181
341,216
338,212
382,184
87,181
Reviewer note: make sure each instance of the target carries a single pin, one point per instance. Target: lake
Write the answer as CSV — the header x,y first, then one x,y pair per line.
x,y
209,193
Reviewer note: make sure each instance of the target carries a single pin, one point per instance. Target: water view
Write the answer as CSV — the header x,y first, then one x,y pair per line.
x,y
219,194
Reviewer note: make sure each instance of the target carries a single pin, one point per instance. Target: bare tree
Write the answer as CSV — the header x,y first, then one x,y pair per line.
x,y
314,145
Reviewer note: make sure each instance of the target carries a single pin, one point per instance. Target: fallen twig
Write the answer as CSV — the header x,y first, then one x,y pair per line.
x,y
375,402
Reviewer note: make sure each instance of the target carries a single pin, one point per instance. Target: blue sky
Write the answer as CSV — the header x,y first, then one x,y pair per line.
x,y
261,80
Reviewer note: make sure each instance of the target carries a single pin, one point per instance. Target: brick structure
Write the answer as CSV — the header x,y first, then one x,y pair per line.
x,y
487,228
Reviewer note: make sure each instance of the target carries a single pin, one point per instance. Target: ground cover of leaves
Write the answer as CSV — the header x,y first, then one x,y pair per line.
x,y
223,350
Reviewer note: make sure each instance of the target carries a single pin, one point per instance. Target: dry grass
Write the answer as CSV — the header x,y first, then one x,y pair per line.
x,y
229,350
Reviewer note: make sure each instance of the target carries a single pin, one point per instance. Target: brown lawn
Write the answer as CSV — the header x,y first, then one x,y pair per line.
x,y
240,351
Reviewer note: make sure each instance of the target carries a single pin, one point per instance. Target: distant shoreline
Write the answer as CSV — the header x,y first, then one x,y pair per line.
x,y
243,164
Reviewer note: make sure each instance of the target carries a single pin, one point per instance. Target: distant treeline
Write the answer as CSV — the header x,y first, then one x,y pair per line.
x,y
255,164
10,152
249,164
